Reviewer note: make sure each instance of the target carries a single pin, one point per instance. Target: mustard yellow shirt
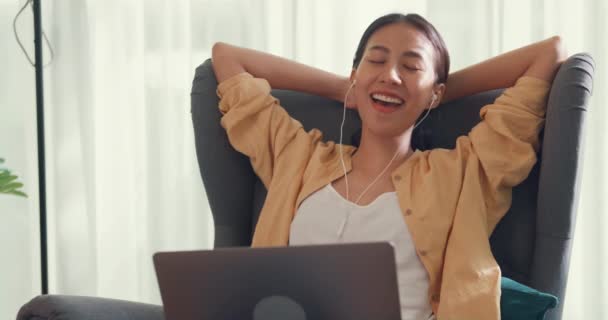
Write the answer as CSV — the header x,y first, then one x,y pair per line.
x,y
451,199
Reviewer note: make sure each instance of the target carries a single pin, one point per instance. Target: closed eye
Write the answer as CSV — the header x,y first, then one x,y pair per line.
x,y
405,66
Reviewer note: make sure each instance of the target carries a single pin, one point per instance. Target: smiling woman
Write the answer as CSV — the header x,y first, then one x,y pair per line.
x,y
399,61
399,71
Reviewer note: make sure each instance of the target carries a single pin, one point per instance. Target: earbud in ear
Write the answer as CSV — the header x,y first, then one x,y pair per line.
x,y
434,98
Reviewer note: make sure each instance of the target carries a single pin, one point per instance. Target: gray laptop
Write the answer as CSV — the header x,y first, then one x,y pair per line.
x,y
318,282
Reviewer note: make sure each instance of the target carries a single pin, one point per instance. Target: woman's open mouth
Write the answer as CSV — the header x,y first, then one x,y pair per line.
x,y
384,103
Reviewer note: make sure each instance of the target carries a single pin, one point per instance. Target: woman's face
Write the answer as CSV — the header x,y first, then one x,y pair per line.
x,y
395,80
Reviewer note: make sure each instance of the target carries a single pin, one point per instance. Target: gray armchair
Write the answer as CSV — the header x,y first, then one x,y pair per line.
x,y
532,243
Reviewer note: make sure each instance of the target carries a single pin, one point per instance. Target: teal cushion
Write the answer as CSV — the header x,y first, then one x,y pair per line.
x,y
519,302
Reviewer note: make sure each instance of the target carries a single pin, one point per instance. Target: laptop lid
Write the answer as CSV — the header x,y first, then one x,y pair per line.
x,y
321,282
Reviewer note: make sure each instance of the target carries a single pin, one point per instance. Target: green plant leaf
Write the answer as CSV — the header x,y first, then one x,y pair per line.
x,y
18,193
8,184
10,187
7,178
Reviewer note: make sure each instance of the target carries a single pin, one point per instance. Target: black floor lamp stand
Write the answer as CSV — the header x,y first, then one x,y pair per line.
x,y
40,135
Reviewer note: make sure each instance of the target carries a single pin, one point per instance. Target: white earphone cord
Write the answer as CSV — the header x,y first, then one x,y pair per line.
x,y
387,166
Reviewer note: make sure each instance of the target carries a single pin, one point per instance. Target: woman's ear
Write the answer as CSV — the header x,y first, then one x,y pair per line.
x,y
352,77
438,93
349,98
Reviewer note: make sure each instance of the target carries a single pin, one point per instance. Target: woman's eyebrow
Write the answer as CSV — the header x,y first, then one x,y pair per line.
x,y
409,53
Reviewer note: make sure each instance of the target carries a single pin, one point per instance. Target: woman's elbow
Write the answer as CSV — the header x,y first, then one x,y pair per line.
x,y
558,49
219,49
224,61
552,53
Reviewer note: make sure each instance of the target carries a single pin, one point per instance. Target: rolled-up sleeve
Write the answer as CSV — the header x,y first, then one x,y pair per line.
x,y
506,141
255,123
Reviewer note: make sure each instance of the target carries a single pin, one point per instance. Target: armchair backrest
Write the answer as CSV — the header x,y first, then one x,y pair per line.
x,y
532,243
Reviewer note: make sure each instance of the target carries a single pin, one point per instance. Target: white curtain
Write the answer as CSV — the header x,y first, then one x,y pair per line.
x,y
123,181
123,172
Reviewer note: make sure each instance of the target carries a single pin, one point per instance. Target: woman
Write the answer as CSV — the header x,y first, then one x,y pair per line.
x,y
437,207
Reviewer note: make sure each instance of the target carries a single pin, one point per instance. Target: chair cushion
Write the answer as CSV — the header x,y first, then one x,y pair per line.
x,y
519,302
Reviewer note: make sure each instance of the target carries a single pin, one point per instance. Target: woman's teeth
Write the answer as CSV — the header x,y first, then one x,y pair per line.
x,y
386,100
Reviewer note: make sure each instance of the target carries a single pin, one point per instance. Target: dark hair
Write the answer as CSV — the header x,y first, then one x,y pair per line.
x,y
421,135
442,58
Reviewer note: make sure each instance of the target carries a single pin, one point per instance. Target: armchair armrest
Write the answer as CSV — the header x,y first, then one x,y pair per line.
x,y
49,307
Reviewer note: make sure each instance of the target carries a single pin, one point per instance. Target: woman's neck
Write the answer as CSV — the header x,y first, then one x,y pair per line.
x,y
375,153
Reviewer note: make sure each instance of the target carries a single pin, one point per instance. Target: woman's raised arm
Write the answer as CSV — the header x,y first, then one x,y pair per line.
x,y
540,60
281,73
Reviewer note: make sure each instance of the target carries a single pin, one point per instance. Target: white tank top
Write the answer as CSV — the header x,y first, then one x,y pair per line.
x,y
319,220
